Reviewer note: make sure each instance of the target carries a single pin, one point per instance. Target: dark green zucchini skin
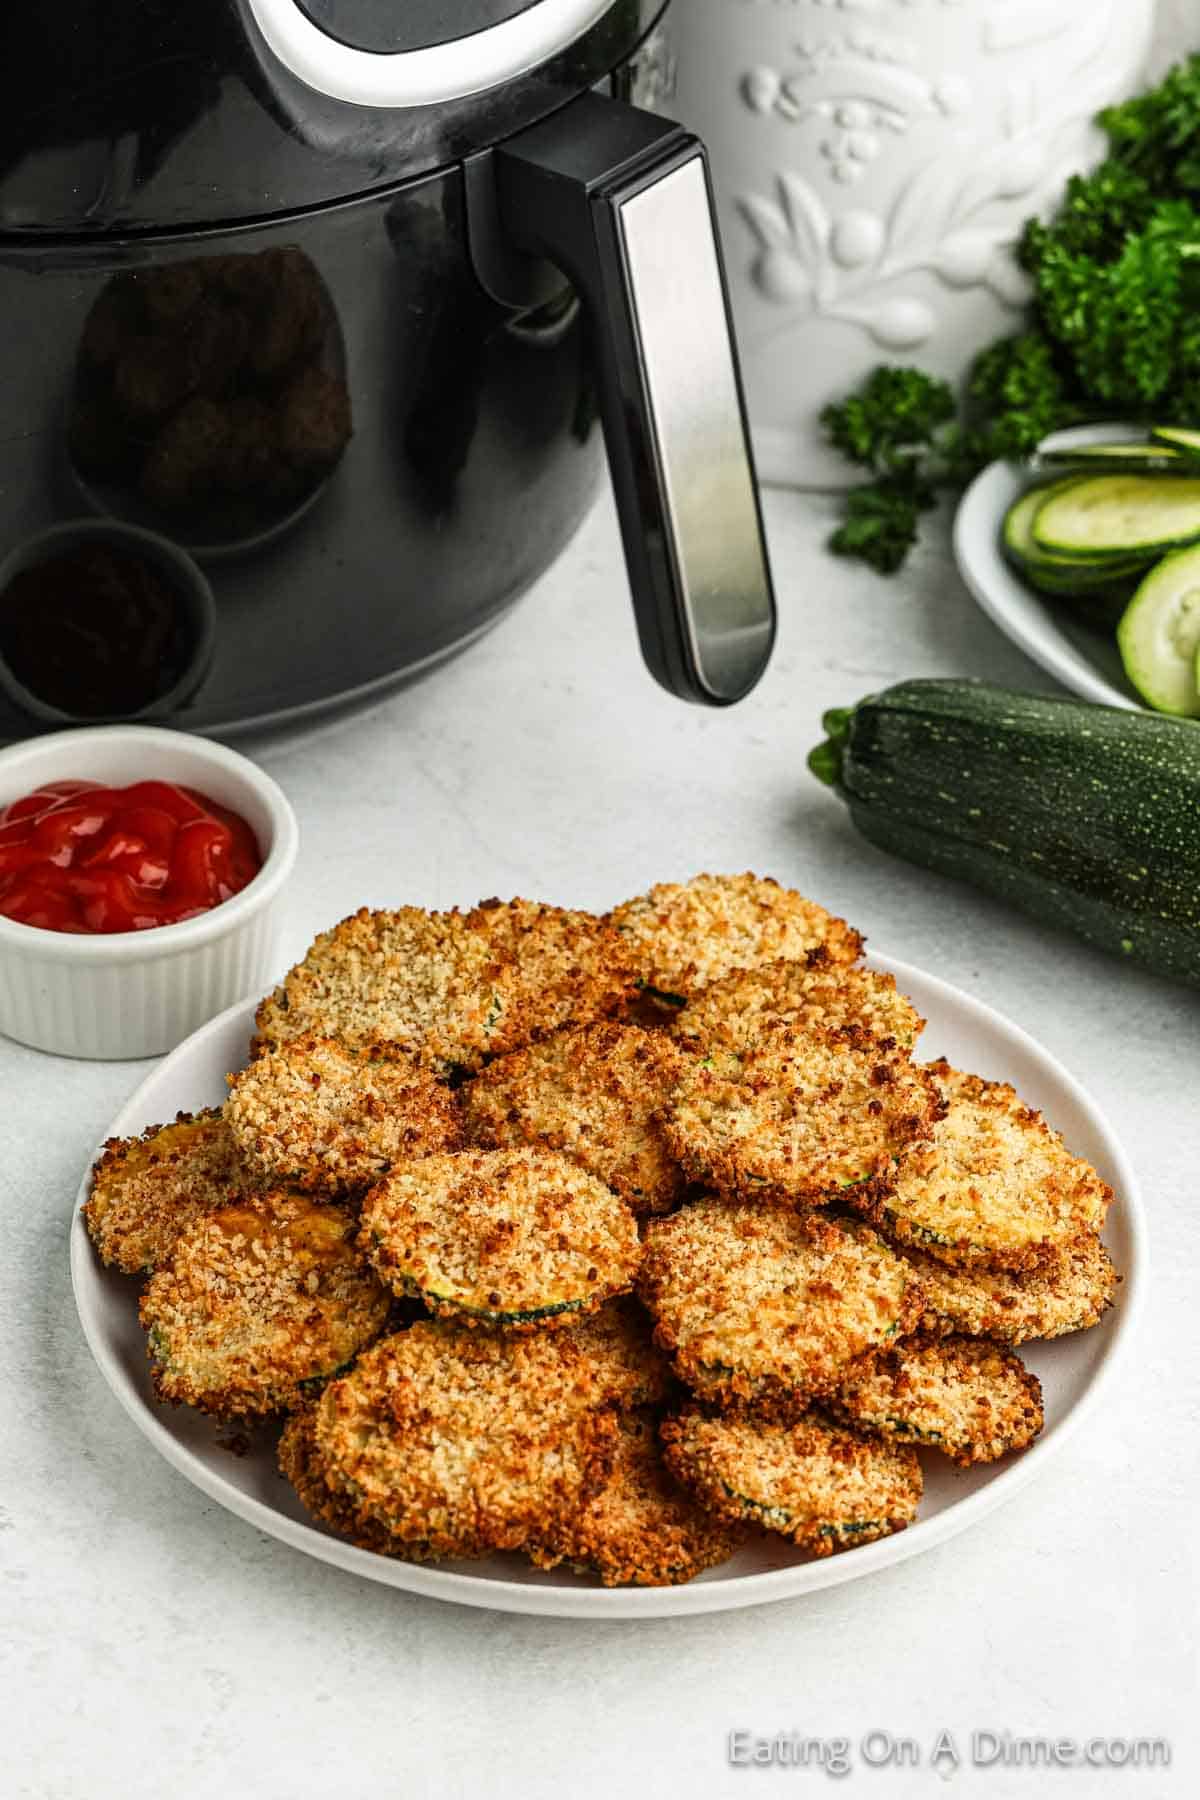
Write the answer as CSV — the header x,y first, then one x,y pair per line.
x,y
1086,817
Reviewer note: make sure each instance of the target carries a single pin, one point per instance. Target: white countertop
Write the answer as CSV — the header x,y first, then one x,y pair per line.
x,y
156,1645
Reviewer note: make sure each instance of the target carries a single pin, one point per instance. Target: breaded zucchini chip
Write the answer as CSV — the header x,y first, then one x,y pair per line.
x,y
146,1190
995,1188
618,1344
623,1369
464,1442
800,1120
642,1527
511,1238
331,1118
770,1308
1071,1291
684,935
813,996
824,1487
593,1092
570,967
256,1300
300,1461
965,1396
432,983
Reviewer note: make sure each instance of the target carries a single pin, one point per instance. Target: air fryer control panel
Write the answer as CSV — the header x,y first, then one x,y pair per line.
x,y
391,25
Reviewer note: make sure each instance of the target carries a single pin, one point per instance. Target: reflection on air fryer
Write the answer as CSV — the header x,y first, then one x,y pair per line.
x,y
94,631
194,409
210,396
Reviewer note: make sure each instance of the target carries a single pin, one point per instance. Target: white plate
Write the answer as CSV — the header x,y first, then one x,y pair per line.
x,y
1072,1369
1086,662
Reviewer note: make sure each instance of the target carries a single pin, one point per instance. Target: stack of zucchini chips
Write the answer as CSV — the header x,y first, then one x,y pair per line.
x,y
616,1241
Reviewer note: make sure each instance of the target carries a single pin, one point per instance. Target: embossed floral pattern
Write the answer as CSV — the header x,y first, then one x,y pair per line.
x,y
875,90
849,90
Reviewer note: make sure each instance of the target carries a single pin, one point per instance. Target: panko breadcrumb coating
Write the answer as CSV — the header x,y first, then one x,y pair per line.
x,y
770,1308
642,1527
464,1442
796,1119
824,1487
570,967
627,1364
593,1092
146,1190
332,1118
815,995
684,935
1071,1291
431,983
300,1461
996,1187
256,1300
513,1238
622,1369
967,1397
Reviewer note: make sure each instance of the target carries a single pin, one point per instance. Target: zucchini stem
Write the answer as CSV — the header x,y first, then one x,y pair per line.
x,y
825,760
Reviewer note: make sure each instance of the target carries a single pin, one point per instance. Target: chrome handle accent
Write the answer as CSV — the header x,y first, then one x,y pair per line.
x,y
621,201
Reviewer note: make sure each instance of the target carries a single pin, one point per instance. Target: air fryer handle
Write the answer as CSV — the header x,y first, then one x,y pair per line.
x,y
620,200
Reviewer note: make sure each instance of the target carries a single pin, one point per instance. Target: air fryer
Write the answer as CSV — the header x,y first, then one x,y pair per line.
x,y
343,300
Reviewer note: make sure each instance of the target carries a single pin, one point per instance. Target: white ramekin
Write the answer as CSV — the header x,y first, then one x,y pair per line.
x,y
138,993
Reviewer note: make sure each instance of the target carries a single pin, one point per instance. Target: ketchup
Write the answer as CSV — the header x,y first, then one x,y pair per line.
x,y
77,856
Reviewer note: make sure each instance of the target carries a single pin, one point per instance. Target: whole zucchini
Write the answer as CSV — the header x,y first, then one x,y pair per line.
x,y
1086,817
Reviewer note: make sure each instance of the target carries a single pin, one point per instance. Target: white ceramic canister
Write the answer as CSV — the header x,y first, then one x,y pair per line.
x,y
874,161
1176,35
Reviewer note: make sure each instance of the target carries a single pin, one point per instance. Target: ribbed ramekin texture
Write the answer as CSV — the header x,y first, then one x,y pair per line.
x,y
132,1007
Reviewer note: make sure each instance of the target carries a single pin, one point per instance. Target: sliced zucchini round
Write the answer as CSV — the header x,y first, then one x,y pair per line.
x,y
1159,635
1133,458
1065,575
1062,575
1182,439
1108,513
1016,533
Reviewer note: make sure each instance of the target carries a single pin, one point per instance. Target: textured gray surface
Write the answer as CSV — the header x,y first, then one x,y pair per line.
x,y
154,1644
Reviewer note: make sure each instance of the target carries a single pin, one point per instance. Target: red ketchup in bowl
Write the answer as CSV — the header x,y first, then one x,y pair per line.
x,y
78,856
